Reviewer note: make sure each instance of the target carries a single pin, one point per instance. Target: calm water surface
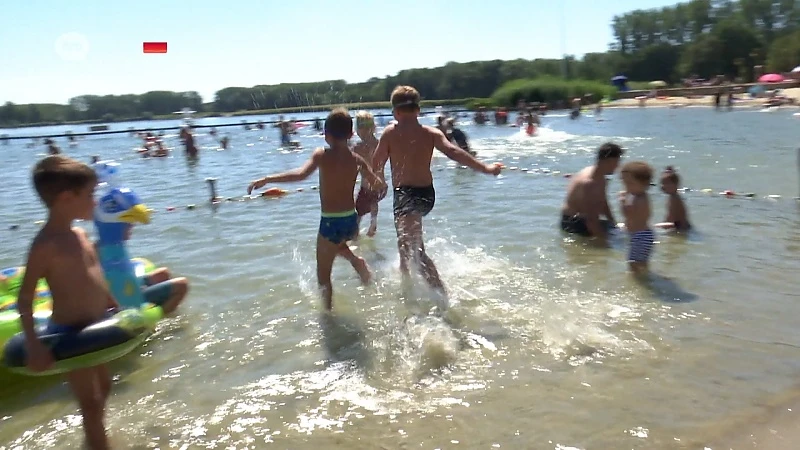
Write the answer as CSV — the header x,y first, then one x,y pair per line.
x,y
549,345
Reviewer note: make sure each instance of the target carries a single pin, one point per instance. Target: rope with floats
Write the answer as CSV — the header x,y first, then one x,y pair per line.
x,y
274,193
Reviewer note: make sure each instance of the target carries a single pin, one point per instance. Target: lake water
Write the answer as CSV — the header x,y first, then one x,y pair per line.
x,y
549,344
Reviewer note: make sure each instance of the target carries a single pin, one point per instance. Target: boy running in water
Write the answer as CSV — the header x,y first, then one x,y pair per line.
x,y
366,200
408,146
66,259
338,169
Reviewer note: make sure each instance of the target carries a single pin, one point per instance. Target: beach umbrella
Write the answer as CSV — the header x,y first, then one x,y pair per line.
x,y
658,83
796,69
771,78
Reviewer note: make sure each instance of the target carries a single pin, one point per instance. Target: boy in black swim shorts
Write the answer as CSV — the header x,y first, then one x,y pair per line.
x,y
338,170
408,146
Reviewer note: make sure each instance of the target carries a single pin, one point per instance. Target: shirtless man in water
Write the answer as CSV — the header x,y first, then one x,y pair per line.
x,y
408,146
586,197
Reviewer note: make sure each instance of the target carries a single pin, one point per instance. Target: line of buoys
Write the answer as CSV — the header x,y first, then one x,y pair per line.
x,y
275,193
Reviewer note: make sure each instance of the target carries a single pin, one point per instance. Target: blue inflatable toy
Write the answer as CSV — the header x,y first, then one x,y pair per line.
x,y
117,210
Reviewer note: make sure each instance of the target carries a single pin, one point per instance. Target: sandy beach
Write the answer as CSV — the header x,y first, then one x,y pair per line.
x,y
743,100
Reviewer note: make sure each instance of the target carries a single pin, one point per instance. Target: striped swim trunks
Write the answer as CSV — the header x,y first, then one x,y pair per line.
x,y
641,246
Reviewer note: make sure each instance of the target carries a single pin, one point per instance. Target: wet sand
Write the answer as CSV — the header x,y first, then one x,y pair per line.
x,y
769,427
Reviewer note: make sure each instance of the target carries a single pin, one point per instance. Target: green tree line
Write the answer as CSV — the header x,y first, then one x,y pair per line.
x,y
703,38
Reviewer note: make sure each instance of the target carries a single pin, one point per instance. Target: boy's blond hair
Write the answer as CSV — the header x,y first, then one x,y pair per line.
x,y
365,119
339,124
405,98
56,174
639,171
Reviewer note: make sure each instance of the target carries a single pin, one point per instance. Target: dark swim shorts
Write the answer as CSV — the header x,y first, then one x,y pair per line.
x,y
576,224
413,200
339,227
55,328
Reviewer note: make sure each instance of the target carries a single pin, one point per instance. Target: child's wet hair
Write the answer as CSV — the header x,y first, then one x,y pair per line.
x,y
639,171
609,150
56,174
671,176
339,124
364,119
405,99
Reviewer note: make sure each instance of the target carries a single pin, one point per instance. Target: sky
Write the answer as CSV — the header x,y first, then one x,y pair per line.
x,y
53,50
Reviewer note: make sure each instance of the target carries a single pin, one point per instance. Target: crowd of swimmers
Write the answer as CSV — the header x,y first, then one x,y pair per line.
x,y
67,259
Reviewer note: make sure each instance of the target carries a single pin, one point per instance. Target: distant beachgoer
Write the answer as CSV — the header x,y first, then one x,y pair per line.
x,y
456,136
480,116
635,203
576,108
677,216
188,142
408,146
338,170
286,129
52,147
367,199
586,197
223,143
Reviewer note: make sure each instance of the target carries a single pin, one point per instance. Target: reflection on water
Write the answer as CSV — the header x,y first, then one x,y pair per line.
x,y
548,342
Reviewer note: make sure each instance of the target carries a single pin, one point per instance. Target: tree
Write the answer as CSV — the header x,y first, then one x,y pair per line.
x,y
784,53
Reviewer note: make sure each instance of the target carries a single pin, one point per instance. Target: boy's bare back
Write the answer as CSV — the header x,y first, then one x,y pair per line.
x,y
410,153
338,169
72,270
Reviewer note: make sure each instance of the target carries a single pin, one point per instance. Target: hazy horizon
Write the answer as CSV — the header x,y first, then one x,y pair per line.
x,y
92,48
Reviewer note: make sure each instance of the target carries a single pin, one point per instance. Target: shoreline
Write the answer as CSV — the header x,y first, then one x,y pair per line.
x,y
744,101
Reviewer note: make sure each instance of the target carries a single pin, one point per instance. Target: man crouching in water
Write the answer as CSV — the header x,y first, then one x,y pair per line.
x,y
586,197
408,145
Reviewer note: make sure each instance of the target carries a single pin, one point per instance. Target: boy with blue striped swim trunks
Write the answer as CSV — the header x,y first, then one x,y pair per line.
x,y
338,170
636,176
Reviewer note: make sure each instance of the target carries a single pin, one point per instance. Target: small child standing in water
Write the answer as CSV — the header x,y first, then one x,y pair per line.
x,y
366,200
338,169
677,216
636,176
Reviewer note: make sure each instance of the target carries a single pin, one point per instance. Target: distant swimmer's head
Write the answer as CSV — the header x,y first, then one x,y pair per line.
x,y
66,186
636,176
405,101
670,181
338,126
365,122
608,156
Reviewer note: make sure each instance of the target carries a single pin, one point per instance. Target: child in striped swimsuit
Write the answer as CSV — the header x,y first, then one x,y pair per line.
x,y
636,176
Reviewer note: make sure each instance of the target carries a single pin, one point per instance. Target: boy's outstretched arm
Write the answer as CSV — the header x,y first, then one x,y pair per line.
x,y
298,174
460,156
373,180
381,156
39,357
